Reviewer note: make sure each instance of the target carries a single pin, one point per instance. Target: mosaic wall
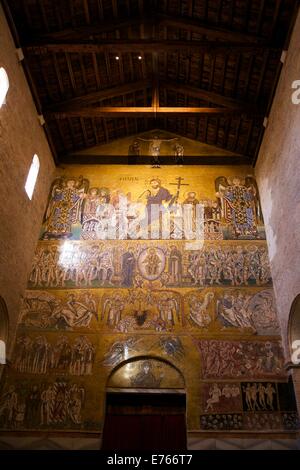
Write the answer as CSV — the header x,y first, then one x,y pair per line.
x,y
113,300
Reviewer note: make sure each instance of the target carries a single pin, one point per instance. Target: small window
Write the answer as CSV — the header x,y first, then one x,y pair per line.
x,y
32,176
4,85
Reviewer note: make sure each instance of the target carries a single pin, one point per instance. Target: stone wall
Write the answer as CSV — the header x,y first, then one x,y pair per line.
x,y
278,176
21,136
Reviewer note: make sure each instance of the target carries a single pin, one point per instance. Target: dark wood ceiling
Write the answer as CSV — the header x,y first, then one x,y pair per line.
x,y
204,69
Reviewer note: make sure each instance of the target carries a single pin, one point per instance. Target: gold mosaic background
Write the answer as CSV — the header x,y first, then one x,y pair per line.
x,y
193,315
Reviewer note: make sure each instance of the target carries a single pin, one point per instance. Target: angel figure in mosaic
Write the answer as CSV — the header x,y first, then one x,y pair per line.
x,y
65,206
239,204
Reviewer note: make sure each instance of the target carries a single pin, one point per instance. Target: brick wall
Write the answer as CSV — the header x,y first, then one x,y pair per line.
x,y
278,176
21,136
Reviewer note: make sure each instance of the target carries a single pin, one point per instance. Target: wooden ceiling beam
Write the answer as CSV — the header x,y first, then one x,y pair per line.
x,y
86,11
211,97
91,98
90,31
90,159
195,26
155,96
144,45
192,25
136,111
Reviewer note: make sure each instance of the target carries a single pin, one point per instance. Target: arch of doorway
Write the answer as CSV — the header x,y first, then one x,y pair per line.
x,y
294,323
145,412
144,357
294,347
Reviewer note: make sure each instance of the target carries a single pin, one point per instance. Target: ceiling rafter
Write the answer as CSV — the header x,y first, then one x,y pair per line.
x,y
144,45
91,31
138,111
192,25
94,97
212,97
195,26
88,159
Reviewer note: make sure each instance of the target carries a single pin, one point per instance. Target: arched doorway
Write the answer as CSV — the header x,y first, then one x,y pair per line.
x,y
294,346
294,323
145,407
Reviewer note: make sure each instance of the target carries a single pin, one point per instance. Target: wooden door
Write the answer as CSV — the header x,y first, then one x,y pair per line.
x,y
145,422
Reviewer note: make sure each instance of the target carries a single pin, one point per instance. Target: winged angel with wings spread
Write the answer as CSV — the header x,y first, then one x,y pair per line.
x,y
64,208
239,204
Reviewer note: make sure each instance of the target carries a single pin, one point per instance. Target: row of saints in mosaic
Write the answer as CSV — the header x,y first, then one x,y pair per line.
x,y
78,211
134,264
124,309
